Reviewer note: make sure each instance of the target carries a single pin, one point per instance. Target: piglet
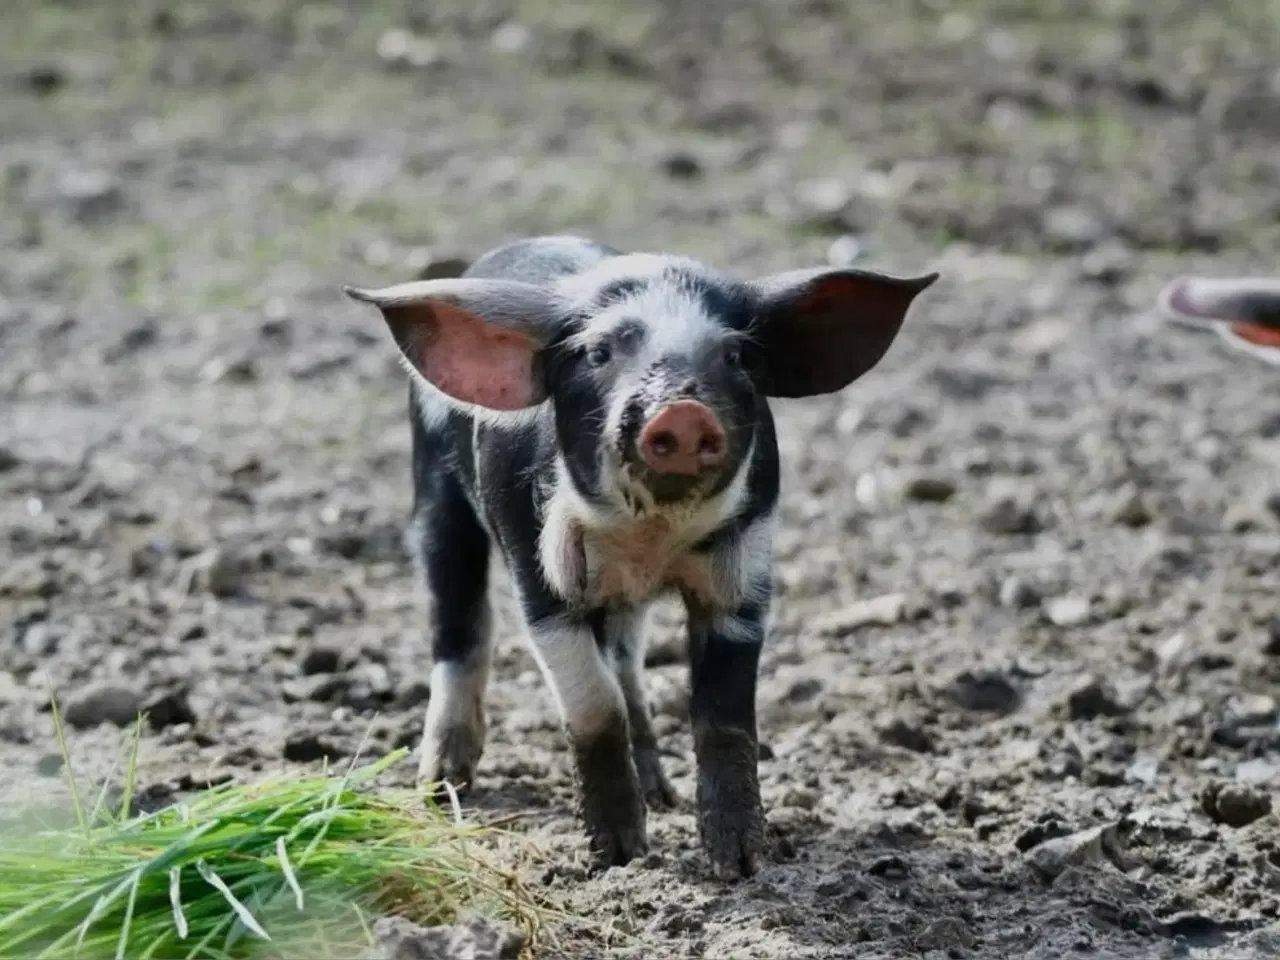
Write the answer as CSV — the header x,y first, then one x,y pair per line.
x,y
603,418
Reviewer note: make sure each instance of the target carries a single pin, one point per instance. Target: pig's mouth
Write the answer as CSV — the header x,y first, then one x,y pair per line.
x,y
668,489
669,454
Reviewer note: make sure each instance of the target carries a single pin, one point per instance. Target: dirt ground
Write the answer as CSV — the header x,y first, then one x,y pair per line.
x,y
1028,567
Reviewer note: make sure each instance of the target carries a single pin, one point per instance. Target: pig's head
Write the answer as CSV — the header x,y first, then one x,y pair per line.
x,y
656,367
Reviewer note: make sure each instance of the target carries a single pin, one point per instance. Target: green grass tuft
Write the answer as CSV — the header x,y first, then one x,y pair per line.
x,y
289,867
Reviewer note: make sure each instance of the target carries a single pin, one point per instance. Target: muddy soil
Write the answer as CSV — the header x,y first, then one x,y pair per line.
x,y
1021,696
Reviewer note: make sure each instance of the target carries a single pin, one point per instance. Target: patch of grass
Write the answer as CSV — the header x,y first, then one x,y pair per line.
x,y
289,867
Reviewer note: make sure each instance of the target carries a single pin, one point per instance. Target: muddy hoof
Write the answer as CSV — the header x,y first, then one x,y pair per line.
x,y
658,792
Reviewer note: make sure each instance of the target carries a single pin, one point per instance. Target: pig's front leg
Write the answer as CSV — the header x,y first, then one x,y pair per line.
x,y
623,633
595,717
724,651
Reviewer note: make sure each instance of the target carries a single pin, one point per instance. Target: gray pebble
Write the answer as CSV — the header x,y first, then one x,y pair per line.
x,y
105,703
472,938
1068,611
1016,594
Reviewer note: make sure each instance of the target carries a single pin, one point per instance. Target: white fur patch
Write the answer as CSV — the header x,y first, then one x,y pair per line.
x,y
456,702
601,559
585,689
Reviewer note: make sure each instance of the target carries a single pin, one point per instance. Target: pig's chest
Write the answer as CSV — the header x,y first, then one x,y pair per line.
x,y
639,562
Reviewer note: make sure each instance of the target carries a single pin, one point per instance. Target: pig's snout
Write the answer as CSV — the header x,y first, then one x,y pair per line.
x,y
683,438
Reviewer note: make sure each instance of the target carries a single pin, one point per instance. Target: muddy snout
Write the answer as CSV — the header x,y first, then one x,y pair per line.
x,y
683,439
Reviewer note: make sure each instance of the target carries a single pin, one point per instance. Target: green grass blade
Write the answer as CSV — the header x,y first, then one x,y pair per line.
x,y
126,926
175,900
131,770
60,733
290,877
241,911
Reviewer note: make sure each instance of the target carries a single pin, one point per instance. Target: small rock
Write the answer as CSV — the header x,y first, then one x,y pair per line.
x,y
1244,518
1096,845
797,797
320,363
988,692
230,370
1253,710
901,733
49,765
368,687
511,37
402,50
415,694
1092,698
1129,508
845,251
1017,594
882,611
1068,611
681,165
1261,771
92,196
138,337
320,660
928,489
1235,804
1108,264
11,691
170,709
890,866
150,557
1272,503
321,688
947,933
1144,769
472,938
44,78
1271,645
308,748
1246,720
1072,228
1172,653
227,572
1049,828
1008,516
803,690
9,460
824,200
40,639
105,703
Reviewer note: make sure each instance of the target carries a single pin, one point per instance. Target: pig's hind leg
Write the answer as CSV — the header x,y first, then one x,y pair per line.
x,y
451,550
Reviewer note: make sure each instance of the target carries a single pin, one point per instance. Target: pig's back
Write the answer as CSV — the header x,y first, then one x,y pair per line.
x,y
540,260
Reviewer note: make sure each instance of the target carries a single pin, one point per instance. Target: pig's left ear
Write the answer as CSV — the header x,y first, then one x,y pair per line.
x,y
819,330
477,341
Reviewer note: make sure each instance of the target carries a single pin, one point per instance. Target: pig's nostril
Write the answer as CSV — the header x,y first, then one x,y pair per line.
x,y
664,444
683,438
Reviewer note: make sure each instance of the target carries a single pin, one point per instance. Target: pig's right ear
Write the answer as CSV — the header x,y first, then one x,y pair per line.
x,y
821,329
477,341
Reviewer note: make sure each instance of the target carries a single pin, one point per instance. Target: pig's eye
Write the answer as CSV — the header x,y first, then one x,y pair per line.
x,y
733,356
599,356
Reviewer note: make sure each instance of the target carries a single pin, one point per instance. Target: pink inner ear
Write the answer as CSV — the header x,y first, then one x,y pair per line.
x,y
874,303
473,362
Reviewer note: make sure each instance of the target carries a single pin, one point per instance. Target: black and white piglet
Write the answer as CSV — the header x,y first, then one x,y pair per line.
x,y
604,419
